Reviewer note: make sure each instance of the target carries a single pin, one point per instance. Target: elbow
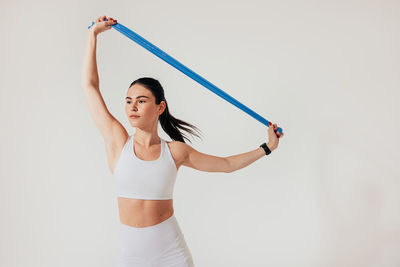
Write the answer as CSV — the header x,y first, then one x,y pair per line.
x,y
87,82
228,166
89,85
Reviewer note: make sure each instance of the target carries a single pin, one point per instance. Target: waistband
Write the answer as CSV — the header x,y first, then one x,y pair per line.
x,y
160,225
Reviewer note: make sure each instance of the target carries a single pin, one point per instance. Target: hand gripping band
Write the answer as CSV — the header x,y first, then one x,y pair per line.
x,y
173,62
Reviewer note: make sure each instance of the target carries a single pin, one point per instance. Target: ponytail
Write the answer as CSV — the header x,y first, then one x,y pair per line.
x,y
169,123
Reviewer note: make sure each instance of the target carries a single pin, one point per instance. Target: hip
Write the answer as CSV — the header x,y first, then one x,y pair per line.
x,y
162,244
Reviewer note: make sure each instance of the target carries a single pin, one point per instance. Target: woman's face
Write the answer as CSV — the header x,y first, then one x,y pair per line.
x,y
141,102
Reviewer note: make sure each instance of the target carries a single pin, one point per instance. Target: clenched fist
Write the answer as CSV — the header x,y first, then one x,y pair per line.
x,y
102,25
273,137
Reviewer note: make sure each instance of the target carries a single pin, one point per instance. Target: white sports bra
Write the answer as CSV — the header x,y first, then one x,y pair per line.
x,y
142,179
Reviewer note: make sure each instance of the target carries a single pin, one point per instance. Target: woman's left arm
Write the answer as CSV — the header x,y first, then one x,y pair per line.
x,y
210,163
239,161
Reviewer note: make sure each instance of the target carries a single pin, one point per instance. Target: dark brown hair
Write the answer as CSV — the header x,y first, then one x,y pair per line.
x,y
169,123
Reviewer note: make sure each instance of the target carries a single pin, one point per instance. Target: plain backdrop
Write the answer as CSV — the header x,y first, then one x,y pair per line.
x,y
327,72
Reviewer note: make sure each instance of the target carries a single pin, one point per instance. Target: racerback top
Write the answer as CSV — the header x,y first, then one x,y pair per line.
x,y
142,179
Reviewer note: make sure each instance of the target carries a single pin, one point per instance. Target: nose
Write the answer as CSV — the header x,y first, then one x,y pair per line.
x,y
134,106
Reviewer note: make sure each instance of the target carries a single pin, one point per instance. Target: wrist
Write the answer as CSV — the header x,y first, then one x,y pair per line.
x,y
265,149
270,147
92,33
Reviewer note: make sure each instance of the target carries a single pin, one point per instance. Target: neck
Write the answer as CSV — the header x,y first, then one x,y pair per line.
x,y
146,138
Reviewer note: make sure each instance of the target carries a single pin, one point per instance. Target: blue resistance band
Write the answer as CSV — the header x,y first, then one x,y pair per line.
x,y
173,62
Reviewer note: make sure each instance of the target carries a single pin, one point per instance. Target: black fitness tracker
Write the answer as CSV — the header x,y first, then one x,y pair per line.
x,y
266,149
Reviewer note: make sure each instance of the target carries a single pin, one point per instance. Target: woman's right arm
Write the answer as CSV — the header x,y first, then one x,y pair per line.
x,y
90,77
110,128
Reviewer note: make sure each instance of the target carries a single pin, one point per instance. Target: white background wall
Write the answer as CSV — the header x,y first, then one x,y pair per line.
x,y
326,71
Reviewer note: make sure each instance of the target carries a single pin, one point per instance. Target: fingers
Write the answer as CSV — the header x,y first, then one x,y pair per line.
x,y
275,128
101,18
277,133
110,20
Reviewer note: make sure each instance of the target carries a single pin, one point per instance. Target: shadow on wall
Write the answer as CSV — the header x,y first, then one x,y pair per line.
x,y
358,198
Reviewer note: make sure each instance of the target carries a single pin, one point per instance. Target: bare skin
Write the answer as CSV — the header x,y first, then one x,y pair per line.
x,y
143,212
147,146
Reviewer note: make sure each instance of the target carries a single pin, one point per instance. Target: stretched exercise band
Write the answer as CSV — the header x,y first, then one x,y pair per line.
x,y
173,62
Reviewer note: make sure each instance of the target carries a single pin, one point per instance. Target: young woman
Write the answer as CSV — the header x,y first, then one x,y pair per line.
x,y
145,166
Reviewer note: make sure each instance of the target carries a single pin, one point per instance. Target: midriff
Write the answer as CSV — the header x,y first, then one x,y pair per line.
x,y
143,212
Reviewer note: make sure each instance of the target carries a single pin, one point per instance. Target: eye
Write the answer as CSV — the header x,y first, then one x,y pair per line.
x,y
128,102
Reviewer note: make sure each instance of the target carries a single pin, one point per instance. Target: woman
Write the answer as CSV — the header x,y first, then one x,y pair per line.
x,y
145,165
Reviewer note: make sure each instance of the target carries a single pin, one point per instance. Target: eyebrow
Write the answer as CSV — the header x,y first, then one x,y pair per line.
x,y
137,97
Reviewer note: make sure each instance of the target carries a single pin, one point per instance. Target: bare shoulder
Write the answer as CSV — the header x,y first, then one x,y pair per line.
x,y
179,151
178,147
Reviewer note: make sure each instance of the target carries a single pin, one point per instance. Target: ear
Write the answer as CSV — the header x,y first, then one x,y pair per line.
x,y
163,106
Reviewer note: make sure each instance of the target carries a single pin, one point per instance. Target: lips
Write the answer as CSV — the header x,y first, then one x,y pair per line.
x,y
134,116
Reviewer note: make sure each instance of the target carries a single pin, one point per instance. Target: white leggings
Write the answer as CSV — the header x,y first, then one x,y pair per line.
x,y
160,245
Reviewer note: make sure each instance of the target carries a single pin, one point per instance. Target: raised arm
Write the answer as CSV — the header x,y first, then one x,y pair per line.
x,y
110,128
90,76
